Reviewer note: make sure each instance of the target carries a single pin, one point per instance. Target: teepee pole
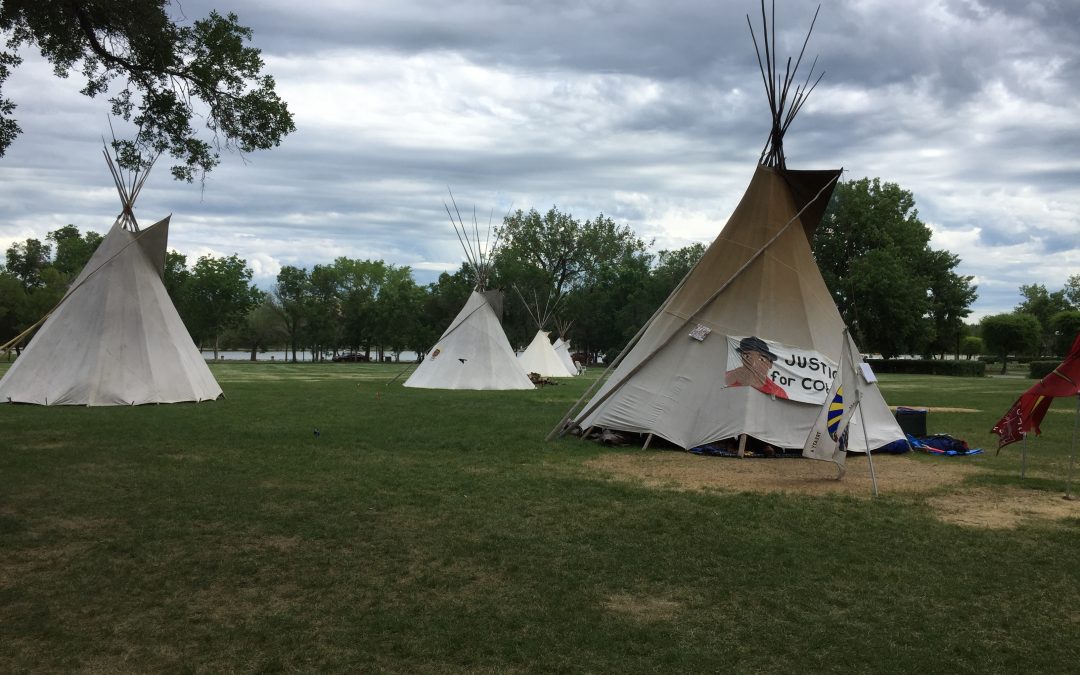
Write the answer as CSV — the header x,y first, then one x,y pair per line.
x,y
1072,452
1023,457
866,441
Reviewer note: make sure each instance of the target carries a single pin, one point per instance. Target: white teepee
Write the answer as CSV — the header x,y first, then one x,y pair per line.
x,y
748,342
562,349
115,338
473,352
540,358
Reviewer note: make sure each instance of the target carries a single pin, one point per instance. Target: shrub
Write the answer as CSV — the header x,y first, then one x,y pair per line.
x,y
1040,369
929,367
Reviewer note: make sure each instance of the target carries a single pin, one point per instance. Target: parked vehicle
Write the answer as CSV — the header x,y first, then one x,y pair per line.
x,y
351,357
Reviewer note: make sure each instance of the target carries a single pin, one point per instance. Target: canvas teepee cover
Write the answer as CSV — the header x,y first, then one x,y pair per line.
x,y
473,353
756,284
750,340
116,338
540,358
562,348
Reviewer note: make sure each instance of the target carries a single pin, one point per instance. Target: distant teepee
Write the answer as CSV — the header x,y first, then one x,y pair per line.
x,y
115,338
562,346
540,356
473,352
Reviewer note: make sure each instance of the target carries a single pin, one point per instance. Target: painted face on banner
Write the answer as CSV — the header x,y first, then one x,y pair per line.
x,y
778,370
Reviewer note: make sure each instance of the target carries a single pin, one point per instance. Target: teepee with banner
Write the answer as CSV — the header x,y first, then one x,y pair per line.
x,y
473,352
115,338
747,345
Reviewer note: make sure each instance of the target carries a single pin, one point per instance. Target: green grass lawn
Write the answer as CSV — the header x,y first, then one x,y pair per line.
x,y
429,531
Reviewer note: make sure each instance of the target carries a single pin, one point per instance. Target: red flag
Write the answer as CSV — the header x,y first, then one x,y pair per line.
x,y
1027,413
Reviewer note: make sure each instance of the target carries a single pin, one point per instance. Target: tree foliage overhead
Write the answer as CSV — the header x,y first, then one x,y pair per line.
x,y
160,73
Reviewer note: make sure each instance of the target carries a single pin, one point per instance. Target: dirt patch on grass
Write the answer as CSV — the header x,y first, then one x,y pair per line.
x,y
685,471
642,608
941,481
1002,507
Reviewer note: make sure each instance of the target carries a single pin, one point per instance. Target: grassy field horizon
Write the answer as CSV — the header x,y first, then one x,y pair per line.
x,y
425,531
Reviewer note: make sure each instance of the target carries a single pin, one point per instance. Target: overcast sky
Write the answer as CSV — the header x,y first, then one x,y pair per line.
x,y
652,113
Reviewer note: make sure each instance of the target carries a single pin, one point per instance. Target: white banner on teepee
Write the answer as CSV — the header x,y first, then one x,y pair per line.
x,y
827,439
776,369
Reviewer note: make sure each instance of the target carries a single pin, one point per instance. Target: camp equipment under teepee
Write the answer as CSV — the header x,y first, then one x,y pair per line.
x,y
747,344
115,338
540,356
473,352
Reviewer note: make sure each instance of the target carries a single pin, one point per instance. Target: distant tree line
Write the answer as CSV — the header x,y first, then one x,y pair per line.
x,y
597,280
1044,324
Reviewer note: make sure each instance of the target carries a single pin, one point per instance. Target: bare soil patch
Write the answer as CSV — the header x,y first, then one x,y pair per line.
x,y
642,608
685,471
1002,507
941,482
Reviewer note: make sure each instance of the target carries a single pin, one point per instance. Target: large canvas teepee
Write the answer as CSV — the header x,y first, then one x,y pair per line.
x,y
115,338
473,352
747,344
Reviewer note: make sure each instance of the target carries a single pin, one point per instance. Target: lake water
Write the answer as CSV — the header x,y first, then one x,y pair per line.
x,y
277,356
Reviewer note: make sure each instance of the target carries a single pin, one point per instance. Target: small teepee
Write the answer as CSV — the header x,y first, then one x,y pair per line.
x,y
540,356
473,352
747,344
115,338
562,347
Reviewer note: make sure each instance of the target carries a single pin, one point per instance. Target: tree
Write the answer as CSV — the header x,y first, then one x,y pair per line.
x,y
1072,291
73,250
673,266
292,293
397,311
1006,334
324,320
1064,326
544,256
260,329
608,312
951,296
219,296
27,260
442,302
887,317
1042,304
169,76
971,346
564,249
360,281
12,306
895,293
